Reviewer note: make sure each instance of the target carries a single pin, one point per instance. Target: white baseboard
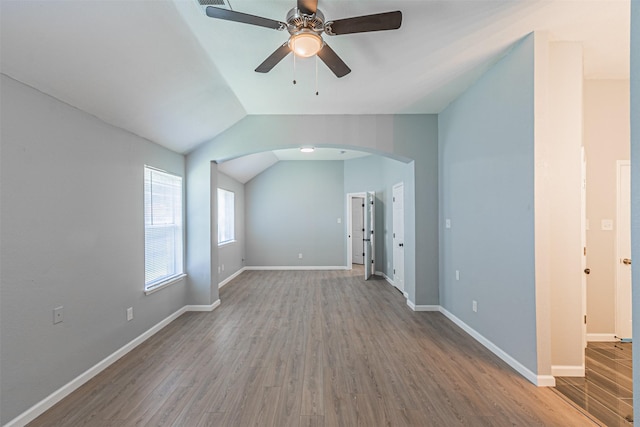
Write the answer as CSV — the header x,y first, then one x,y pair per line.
x,y
539,380
387,278
297,267
567,371
602,338
48,402
230,278
210,307
414,307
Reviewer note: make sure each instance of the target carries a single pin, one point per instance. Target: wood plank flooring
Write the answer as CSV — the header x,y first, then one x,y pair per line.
x,y
606,391
311,348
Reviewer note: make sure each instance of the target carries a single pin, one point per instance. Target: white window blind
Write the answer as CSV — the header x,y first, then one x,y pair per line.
x,y
163,246
226,215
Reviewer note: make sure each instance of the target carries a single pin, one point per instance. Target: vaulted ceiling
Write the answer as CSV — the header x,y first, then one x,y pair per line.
x,y
165,71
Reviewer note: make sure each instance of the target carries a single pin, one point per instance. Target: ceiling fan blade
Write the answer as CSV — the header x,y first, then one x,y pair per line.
x,y
245,18
364,24
333,61
308,7
274,58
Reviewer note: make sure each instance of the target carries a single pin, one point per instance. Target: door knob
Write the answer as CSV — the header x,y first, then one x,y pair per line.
x,y
626,261
587,270
401,245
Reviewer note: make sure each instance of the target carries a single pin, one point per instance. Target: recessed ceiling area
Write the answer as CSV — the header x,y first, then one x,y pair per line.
x,y
165,71
245,168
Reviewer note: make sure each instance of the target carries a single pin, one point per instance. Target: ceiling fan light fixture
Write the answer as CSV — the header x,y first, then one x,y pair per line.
x,y
305,43
307,149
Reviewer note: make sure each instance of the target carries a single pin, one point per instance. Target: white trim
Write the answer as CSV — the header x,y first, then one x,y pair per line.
x,y
170,281
226,243
387,278
349,242
602,338
230,278
39,408
297,267
406,294
546,381
210,307
539,380
567,371
422,307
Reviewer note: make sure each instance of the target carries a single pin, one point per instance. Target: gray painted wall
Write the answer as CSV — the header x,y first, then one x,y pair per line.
x,y
486,189
401,137
72,235
293,207
231,255
635,188
379,174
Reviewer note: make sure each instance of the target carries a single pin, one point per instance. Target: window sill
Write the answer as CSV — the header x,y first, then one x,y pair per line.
x,y
226,243
170,281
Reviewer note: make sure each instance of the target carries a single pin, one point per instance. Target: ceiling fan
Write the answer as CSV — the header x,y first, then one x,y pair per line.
x,y
305,24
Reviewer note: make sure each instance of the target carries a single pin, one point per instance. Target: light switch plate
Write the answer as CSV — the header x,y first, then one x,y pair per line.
x,y
607,224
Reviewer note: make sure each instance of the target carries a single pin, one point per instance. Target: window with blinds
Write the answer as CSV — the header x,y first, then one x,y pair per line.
x,y
226,216
163,229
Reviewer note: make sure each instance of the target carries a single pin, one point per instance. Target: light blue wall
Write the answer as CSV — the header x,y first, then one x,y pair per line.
x,y
379,174
487,190
231,255
292,208
408,137
72,235
635,190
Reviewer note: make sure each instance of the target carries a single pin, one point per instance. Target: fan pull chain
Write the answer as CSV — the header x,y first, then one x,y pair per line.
x,y
316,75
294,65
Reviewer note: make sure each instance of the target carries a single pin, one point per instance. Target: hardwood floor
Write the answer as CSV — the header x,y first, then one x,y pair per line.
x,y
311,348
606,391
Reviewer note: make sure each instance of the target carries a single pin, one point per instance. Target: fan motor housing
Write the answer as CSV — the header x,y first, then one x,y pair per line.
x,y
297,20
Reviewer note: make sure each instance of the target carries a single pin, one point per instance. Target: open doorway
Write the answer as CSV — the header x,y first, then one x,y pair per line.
x,y
606,389
360,231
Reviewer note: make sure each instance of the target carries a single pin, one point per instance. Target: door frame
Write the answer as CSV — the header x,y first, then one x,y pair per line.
x,y
350,197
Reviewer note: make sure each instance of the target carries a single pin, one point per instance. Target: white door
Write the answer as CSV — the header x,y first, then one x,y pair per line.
x,y
357,230
369,241
623,276
583,241
398,236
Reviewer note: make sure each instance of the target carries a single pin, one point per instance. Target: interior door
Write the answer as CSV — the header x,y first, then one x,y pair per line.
x,y
357,230
398,236
369,241
623,274
583,241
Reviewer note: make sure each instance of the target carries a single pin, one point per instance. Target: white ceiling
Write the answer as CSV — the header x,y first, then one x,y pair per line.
x,y
163,70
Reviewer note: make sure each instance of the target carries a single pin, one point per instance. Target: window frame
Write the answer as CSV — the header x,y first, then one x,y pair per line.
x,y
233,217
178,260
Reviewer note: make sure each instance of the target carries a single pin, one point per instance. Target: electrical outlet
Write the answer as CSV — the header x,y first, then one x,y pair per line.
x,y
57,315
222,267
339,220
474,306
299,256
457,275
129,314
447,223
